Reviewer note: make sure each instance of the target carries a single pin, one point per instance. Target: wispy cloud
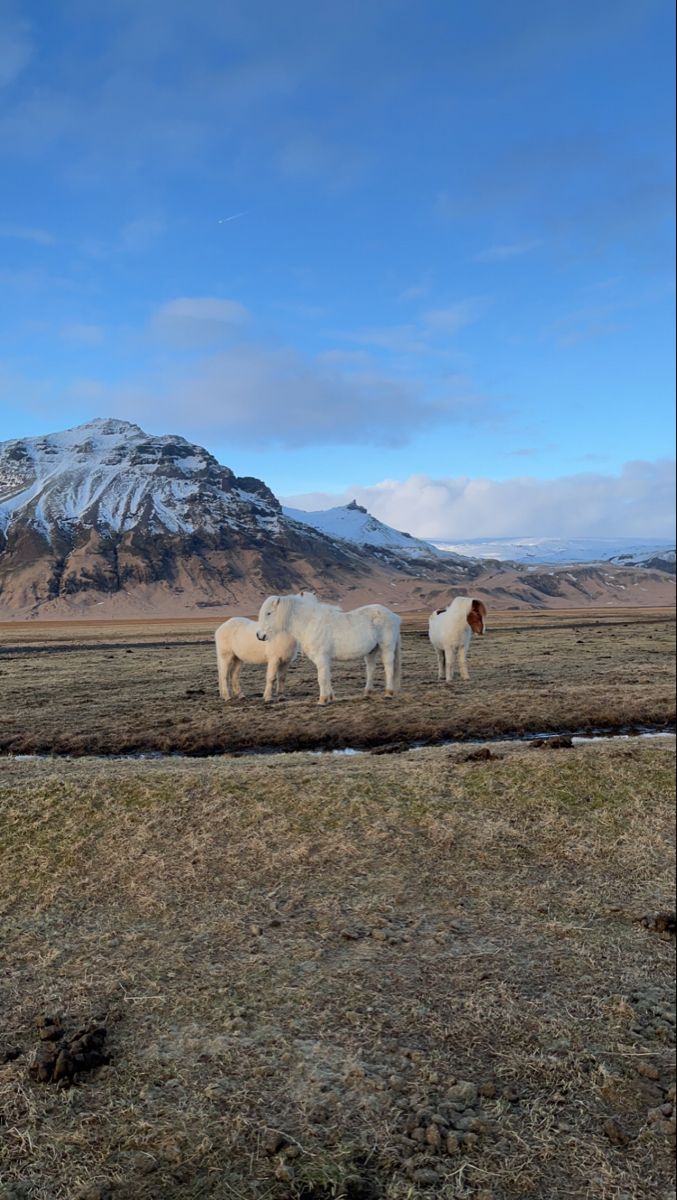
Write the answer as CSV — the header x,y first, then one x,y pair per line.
x,y
26,233
400,339
88,335
348,359
507,250
255,393
584,324
456,316
417,291
133,237
195,320
16,49
418,337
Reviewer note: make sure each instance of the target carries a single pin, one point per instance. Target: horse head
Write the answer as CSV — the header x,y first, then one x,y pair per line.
x,y
268,618
476,617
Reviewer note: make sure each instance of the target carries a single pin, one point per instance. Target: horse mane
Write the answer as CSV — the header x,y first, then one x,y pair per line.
x,y
311,599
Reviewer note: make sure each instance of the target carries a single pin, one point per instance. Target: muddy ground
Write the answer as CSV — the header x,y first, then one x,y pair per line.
x,y
86,688
376,978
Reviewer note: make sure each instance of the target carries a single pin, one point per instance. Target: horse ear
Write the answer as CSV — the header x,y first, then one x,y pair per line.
x,y
275,601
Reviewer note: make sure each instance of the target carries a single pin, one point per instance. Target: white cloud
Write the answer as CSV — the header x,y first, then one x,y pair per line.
x,y
195,320
136,236
456,316
638,502
418,337
416,291
508,250
400,339
16,50
204,308
259,394
25,233
89,335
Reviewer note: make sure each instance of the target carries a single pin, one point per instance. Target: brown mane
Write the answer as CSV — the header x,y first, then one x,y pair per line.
x,y
475,618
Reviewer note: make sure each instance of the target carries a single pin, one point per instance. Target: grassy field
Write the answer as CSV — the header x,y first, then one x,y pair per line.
x,y
327,976
110,689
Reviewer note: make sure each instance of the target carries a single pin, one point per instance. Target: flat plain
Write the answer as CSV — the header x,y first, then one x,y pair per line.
x,y
445,971
89,688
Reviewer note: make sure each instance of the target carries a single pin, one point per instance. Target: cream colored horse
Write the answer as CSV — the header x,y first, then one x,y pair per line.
x,y
325,633
237,643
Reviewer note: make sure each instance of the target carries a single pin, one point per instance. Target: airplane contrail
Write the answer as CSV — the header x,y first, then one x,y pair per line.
x,y
234,217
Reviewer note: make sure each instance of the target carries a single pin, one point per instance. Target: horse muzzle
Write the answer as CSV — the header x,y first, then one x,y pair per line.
x,y
261,637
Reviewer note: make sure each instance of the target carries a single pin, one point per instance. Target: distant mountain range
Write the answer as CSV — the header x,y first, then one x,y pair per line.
x,y
105,520
627,552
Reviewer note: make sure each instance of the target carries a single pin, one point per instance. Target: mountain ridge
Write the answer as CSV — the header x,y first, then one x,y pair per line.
x,y
105,508
106,520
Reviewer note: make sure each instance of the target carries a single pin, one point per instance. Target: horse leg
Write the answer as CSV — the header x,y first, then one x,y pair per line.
x,y
388,656
440,664
324,680
235,679
224,664
449,653
282,669
397,666
462,663
370,663
271,673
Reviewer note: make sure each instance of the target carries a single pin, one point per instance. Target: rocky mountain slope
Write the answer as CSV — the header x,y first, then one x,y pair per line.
x,y
107,521
106,515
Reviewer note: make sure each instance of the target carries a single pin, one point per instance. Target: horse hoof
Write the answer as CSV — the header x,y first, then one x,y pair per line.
x,y
389,695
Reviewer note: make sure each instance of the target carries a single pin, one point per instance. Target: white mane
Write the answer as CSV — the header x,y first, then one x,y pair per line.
x,y
325,633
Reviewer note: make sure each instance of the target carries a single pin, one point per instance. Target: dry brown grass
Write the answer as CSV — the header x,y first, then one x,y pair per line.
x,y
321,945
113,689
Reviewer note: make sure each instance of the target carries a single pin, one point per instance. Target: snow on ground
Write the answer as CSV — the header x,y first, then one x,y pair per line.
x,y
562,551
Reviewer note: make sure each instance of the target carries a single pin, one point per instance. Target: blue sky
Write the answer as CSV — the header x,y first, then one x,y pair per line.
x,y
347,244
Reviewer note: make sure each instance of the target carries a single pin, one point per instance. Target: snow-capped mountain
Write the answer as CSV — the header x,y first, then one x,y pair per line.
x,y
110,475
106,520
355,524
106,510
659,553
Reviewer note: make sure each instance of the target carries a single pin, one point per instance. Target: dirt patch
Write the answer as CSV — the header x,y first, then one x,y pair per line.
x,y
65,1059
482,754
661,922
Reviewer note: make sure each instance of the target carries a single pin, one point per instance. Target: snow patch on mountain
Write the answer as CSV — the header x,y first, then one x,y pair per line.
x,y
109,474
352,523
564,551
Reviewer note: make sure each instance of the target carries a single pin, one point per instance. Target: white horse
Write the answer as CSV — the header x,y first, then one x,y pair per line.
x,y
450,631
325,632
237,643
